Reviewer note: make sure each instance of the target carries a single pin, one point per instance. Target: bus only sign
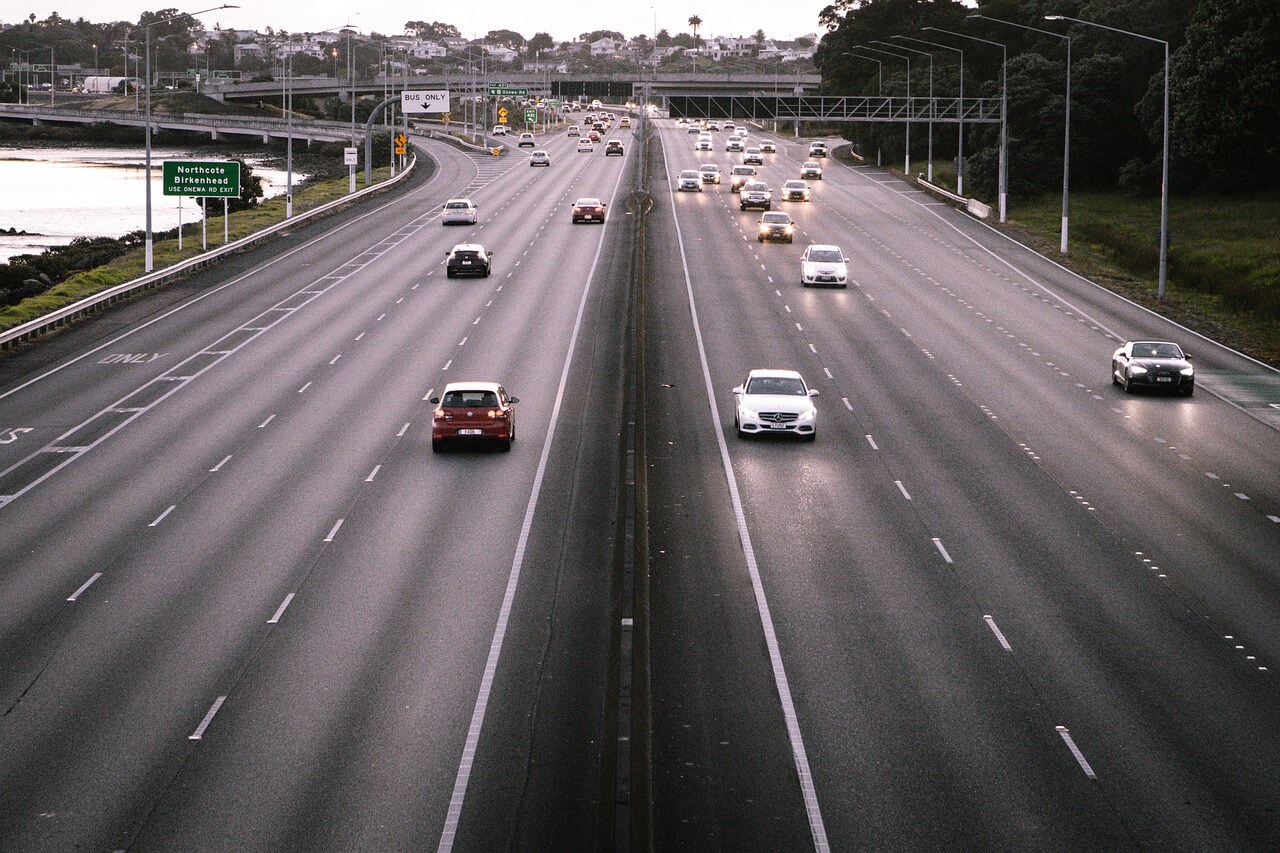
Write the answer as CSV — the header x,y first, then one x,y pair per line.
x,y
215,179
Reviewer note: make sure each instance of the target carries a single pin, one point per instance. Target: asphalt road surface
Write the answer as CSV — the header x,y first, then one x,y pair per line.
x,y
996,604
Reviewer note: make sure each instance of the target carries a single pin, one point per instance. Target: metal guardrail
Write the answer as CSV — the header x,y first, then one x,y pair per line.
x,y
89,304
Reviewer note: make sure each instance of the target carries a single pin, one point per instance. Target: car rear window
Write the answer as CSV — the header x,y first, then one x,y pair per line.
x,y
468,254
457,205
470,398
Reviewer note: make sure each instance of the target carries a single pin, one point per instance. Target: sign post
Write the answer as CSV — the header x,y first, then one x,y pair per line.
x,y
350,157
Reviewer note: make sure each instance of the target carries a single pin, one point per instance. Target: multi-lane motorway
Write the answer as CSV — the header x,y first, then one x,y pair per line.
x,y
996,604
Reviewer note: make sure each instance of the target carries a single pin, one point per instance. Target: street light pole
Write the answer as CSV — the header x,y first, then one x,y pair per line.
x,y
1066,135
879,90
1004,104
150,257
907,162
1164,169
929,168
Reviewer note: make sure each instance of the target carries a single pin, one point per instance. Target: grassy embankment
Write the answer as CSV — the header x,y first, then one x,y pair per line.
x,y
1224,256
166,253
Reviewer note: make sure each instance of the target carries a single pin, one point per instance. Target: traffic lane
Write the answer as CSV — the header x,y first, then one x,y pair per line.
x,y
808,557
1149,444
719,742
468,537
415,396
839,326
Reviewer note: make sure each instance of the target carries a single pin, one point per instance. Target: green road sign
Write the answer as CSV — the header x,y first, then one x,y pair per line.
x,y
507,92
555,105
201,178
530,116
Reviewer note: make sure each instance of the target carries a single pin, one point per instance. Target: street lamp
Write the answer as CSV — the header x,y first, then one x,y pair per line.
x,y
53,73
907,162
960,117
929,168
1164,171
150,262
288,85
1004,102
1066,134
879,89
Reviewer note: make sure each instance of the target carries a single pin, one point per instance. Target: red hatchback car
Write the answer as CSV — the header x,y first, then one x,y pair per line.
x,y
473,412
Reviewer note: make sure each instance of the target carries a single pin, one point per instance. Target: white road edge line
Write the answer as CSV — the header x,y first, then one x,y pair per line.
x,y
458,797
1075,750
85,586
991,623
208,718
816,825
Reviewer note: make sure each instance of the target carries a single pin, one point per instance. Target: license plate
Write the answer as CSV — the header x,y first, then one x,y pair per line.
x,y
1164,378
466,263
777,426
469,432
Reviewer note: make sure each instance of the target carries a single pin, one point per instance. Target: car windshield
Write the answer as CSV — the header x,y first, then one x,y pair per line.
x,y
1156,350
470,398
776,218
825,256
811,165
796,185
710,168
778,386
743,170
756,187
689,173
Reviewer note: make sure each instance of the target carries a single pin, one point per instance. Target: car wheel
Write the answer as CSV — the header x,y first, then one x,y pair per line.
x,y
505,445
486,273
1115,379
437,446
448,273
1190,390
760,239
791,239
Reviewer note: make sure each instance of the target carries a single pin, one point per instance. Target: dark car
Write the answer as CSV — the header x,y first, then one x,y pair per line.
x,y
588,210
613,146
473,412
1153,365
468,259
776,226
755,194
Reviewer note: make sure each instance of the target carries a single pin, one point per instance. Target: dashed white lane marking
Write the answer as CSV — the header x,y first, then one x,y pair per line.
x,y
402,431
942,550
446,364
208,718
904,491
871,441
334,360
304,388
380,316
461,342
1242,496
991,623
216,468
275,618
1075,750
162,515
1275,518
333,531
359,336
269,419
84,586
827,371
847,404
373,473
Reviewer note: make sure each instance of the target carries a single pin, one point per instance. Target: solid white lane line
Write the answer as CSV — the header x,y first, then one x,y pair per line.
x,y
333,531
280,610
871,441
458,797
1075,750
208,718
84,586
402,431
941,549
816,825
991,623
903,489
218,467
162,515
267,421
372,474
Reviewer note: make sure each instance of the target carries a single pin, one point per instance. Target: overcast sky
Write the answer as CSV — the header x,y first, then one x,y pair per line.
x,y
562,19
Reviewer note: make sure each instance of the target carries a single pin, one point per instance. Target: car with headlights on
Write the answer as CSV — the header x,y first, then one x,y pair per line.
x,y
795,191
710,173
824,265
539,158
613,146
1153,366
468,259
459,211
753,157
739,175
776,225
525,140
473,412
817,149
755,195
690,180
703,143
776,402
588,209
733,143
767,146
811,169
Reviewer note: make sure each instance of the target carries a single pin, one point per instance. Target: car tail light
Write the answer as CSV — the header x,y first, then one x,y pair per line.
x,y
497,413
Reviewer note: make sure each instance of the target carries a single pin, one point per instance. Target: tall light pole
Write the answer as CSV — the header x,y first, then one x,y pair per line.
x,y
879,89
1164,170
150,257
288,83
1004,112
907,162
53,73
960,117
1066,134
929,167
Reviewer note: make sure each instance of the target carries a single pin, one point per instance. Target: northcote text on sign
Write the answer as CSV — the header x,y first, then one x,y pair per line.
x,y
195,178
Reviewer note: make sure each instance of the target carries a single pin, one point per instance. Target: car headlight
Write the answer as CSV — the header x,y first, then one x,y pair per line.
x,y
790,228
744,412
808,415
1137,369
1187,371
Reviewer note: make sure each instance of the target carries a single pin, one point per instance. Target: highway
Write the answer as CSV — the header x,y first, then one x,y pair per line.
x,y
998,603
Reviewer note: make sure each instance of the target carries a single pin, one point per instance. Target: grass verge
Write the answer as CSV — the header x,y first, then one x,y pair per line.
x,y
166,253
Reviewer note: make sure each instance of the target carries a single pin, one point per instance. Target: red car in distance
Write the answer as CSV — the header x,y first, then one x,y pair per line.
x,y
473,412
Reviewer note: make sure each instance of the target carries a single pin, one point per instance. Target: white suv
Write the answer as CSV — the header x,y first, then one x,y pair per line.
x,y
775,401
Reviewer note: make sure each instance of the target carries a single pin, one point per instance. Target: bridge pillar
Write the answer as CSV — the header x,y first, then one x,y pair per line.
x,y
266,138
213,136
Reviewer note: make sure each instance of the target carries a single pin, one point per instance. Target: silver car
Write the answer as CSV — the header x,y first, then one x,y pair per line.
x,y
539,158
459,211
690,180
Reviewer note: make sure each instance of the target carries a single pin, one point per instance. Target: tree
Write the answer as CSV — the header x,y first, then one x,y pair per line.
x,y
596,35
664,38
432,31
695,22
505,38
541,41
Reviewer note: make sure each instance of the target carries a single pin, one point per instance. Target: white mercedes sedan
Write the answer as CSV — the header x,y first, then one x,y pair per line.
x,y
775,402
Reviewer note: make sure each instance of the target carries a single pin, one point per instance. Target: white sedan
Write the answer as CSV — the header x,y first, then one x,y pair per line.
x,y
824,265
775,401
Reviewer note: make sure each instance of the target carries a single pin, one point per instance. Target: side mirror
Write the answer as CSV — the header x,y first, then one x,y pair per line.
x,y
737,390
513,399
602,204
813,392
1186,355
435,401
